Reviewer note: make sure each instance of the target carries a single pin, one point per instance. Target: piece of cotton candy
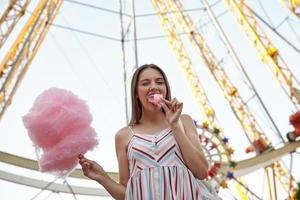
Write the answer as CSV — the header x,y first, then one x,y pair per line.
x,y
59,126
156,99
63,156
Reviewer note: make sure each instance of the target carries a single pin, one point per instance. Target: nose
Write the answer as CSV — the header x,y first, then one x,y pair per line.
x,y
153,86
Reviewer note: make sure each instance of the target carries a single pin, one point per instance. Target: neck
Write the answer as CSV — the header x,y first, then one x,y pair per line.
x,y
153,117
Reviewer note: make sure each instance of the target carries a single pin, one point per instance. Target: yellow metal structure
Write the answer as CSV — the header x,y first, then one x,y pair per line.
x,y
230,92
243,193
293,6
244,116
269,183
268,53
20,55
10,17
210,121
243,167
18,59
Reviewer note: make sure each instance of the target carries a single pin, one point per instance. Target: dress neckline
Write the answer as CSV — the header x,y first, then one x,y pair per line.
x,y
154,134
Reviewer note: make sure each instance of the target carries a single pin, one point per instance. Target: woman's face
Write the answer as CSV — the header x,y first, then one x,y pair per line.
x,y
150,82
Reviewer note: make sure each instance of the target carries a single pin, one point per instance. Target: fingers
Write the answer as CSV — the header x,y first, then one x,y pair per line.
x,y
83,161
165,107
86,168
172,105
85,164
179,107
80,156
167,102
175,105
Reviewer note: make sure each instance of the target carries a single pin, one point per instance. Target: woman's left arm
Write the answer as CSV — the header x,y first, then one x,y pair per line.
x,y
187,138
189,144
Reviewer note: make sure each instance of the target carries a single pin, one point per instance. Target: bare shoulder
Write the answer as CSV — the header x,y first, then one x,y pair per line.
x,y
188,123
123,132
186,119
122,136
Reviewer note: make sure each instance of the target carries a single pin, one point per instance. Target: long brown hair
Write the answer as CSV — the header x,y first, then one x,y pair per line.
x,y
136,106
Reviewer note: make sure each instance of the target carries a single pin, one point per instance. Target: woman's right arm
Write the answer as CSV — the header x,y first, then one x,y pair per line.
x,y
94,171
121,142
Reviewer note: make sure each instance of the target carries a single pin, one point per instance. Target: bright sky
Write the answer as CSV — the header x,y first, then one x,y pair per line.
x,y
90,65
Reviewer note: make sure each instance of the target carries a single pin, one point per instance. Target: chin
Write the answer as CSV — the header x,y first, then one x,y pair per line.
x,y
154,108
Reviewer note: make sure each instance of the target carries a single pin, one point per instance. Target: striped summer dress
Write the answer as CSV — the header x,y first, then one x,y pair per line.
x,y
157,169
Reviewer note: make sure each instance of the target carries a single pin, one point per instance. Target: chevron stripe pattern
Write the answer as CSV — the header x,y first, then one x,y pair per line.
x,y
157,169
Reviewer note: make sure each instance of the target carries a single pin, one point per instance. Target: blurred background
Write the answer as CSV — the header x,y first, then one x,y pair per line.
x,y
233,63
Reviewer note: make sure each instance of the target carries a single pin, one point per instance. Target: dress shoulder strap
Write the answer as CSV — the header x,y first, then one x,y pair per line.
x,y
131,130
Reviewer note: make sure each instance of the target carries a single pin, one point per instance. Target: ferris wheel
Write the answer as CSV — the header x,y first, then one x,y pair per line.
x,y
187,35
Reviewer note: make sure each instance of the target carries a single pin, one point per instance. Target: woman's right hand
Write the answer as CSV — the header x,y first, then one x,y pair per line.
x,y
91,169
94,171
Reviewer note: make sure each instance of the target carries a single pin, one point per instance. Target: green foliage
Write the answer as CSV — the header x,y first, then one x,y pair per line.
x,y
297,196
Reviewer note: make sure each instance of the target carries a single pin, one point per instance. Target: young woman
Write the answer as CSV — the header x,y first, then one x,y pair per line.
x,y
159,153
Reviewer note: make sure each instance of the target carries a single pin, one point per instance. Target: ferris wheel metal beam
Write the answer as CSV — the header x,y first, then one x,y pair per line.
x,y
239,107
257,138
10,17
269,55
238,62
266,50
199,94
55,187
293,6
33,165
18,59
186,65
243,167
263,160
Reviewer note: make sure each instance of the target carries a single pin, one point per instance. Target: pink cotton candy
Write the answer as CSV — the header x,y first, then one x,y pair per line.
x,y
59,125
156,99
54,115
63,156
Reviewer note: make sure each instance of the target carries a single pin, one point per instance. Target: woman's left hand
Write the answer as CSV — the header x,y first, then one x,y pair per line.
x,y
173,110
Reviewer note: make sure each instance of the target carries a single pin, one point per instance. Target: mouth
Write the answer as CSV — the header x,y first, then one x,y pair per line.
x,y
155,98
152,95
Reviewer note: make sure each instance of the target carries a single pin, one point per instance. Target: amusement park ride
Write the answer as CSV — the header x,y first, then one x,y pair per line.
x,y
223,168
